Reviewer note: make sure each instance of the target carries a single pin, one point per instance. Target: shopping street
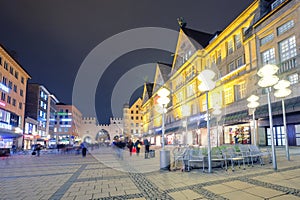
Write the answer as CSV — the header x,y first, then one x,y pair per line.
x,y
101,175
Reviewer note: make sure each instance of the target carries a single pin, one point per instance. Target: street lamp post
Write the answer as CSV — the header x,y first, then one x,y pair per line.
x,y
185,114
282,91
163,100
206,85
268,79
253,105
217,111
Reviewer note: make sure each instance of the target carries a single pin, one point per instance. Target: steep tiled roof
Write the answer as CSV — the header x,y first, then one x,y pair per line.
x,y
198,38
149,87
165,70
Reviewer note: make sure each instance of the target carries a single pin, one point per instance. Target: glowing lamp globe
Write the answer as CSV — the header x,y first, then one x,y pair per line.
x,y
207,83
267,70
163,100
282,93
163,92
253,98
253,104
268,81
282,84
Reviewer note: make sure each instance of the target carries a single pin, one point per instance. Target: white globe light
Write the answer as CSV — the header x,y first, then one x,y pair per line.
x,y
163,100
268,81
253,98
282,93
267,70
207,83
163,92
207,86
253,104
282,84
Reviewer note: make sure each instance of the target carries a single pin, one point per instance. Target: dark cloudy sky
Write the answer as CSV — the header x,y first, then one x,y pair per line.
x,y
52,38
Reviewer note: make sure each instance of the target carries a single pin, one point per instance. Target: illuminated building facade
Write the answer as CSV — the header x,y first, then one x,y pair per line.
x,y
67,124
265,32
13,82
93,132
40,106
133,119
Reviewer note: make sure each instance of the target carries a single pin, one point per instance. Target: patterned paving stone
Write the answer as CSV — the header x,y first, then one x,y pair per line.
x,y
185,195
73,177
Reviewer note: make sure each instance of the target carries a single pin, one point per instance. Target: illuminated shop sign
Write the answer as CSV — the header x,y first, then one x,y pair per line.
x,y
4,88
63,113
65,126
66,120
157,129
5,126
2,104
197,118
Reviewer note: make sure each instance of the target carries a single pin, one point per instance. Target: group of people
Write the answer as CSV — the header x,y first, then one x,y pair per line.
x,y
120,145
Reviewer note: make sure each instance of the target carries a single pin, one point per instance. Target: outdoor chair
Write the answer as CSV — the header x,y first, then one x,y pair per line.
x,y
256,153
179,155
245,152
231,155
195,155
216,156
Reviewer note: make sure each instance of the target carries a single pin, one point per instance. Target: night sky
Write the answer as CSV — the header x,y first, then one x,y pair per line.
x,y
52,39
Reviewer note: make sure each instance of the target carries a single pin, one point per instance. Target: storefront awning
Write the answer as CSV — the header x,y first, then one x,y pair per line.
x,y
8,135
235,118
291,105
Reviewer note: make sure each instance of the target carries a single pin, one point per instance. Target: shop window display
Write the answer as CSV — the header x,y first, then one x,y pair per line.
x,y
237,134
242,135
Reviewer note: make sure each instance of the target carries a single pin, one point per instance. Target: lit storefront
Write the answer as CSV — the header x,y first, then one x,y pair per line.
x,y
237,134
10,133
30,132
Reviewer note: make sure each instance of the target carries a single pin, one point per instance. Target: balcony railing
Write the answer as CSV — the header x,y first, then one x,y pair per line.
x,y
287,65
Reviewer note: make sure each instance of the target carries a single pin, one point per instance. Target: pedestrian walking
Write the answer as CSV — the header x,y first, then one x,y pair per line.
x,y
83,149
38,149
147,148
137,145
130,146
120,145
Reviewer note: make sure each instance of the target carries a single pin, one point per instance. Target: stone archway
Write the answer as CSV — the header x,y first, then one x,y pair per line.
x,y
102,136
87,139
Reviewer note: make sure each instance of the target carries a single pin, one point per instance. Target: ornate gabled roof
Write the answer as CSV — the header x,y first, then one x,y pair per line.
x,y
147,93
149,87
165,70
162,74
198,38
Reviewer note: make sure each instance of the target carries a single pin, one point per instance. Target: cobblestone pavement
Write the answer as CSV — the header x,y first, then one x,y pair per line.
x,y
101,175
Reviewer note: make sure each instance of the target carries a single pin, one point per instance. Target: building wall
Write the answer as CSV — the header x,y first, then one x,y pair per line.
x,y
14,77
235,67
37,107
92,130
68,120
133,120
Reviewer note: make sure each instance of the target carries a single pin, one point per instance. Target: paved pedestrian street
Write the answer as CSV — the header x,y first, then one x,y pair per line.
x,y
102,175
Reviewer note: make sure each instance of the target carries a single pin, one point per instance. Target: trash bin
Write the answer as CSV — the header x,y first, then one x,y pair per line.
x,y
152,153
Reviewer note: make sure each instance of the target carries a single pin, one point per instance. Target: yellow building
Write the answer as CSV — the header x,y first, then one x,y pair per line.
x,y
133,119
13,82
265,32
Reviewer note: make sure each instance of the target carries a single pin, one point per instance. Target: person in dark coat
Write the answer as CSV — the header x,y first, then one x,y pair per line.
x,y
130,146
147,148
38,149
120,145
83,149
137,145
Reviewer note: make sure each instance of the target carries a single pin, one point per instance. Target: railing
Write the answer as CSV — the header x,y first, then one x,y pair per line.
x,y
287,65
